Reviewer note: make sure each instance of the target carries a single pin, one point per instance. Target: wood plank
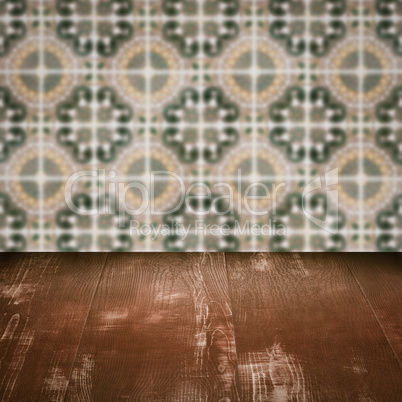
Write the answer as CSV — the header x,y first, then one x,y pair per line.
x,y
305,332
44,301
160,329
380,278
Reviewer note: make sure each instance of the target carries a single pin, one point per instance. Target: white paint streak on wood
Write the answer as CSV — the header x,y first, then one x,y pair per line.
x,y
113,319
24,343
19,292
55,384
8,336
358,365
83,377
213,319
286,375
300,266
260,262
273,376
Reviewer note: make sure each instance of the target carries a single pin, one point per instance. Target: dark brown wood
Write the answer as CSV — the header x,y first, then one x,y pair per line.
x,y
308,327
44,303
380,278
304,331
160,329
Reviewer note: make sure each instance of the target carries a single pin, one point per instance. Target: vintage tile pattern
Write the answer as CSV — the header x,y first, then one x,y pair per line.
x,y
282,90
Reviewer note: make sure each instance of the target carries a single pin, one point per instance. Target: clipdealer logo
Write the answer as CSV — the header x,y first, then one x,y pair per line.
x,y
108,184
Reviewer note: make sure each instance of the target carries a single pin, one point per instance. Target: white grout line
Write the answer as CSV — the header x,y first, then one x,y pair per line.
x,y
94,128
214,71
201,104
292,179
360,133
254,119
307,127
148,90
41,131
291,231
267,124
163,18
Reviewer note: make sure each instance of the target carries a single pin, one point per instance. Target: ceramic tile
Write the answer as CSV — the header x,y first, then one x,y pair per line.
x,y
97,95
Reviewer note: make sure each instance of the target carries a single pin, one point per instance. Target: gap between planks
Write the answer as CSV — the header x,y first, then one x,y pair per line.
x,y
85,324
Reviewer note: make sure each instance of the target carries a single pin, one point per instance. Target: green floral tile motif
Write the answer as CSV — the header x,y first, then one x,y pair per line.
x,y
215,110
194,242
218,27
12,132
80,110
291,214
389,30
389,221
387,113
11,218
115,237
79,34
323,110
326,29
274,124
12,25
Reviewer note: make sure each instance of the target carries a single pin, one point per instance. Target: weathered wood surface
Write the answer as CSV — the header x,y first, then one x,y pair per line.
x,y
156,327
44,303
379,276
304,331
160,329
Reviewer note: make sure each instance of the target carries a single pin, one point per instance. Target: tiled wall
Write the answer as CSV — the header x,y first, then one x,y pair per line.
x,y
276,92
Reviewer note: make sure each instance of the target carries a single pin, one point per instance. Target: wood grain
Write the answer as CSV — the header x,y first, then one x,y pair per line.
x,y
160,330
44,302
380,278
304,331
